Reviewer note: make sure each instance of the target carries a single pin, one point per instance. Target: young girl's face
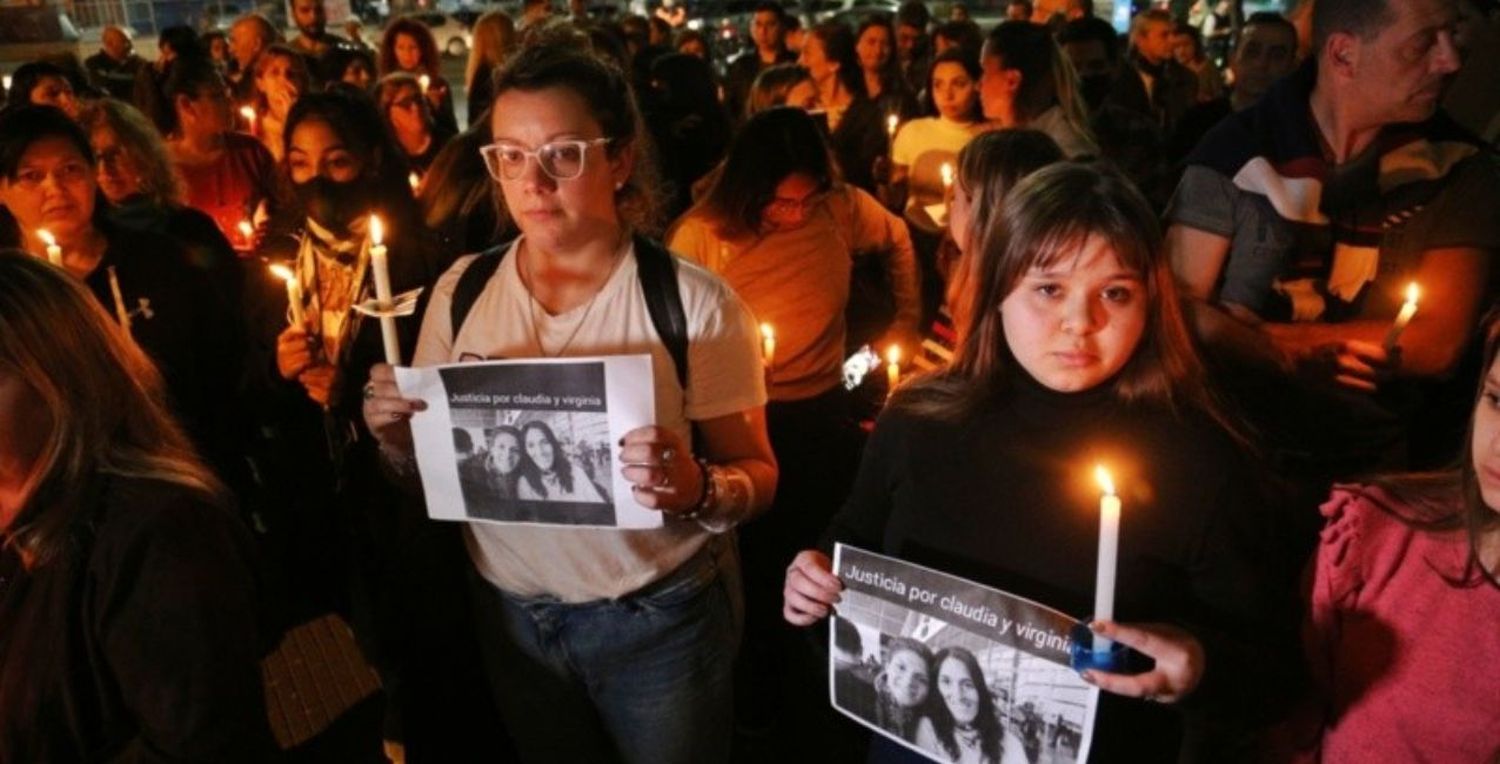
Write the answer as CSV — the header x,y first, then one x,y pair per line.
x,y
1075,324
953,91
1486,444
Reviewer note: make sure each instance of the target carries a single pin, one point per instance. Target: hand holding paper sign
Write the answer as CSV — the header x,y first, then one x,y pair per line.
x,y
811,589
659,465
1178,655
386,413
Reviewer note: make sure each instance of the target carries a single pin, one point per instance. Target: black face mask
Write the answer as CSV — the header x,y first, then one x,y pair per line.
x,y
335,205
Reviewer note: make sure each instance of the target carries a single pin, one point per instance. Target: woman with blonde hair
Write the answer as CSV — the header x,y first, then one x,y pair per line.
x,y
494,40
129,610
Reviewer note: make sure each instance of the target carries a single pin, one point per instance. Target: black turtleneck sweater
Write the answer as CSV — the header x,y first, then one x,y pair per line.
x,y
1006,497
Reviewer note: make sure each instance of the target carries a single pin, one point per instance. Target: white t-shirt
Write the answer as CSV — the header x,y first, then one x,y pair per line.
x,y
725,377
920,136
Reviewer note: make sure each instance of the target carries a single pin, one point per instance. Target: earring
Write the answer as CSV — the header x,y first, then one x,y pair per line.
x,y
619,185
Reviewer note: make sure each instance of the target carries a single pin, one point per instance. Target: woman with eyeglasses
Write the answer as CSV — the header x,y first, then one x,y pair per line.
x,y
408,117
604,644
408,46
785,231
142,279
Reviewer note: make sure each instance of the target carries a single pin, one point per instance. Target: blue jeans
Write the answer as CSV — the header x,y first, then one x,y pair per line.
x,y
645,678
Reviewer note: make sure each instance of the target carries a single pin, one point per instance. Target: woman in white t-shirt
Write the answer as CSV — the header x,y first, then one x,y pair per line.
x,y
924,145
603,644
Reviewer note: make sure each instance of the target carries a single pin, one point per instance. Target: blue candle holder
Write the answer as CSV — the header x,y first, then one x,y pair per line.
x,y
1116,659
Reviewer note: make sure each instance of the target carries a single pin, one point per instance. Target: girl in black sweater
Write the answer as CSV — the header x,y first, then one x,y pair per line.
x,y
1076,353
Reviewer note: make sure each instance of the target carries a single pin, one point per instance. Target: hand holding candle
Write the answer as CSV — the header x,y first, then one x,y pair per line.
x,y
380,270
767,345
54,252
1109,549
293,293
1408,309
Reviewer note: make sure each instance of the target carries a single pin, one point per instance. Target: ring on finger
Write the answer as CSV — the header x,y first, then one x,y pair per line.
x,y
667,455
369,390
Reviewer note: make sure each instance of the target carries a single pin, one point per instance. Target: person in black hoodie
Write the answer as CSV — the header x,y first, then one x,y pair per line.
x,y
1077,354
128,598
171,308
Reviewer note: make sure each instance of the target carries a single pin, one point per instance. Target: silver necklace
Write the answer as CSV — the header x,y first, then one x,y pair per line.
x,y
531,305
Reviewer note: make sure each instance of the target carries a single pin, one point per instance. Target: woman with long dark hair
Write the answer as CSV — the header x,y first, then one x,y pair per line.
x,y
925,144
129,608
408,116
1028,83
548,474
964,724
875,43
1076,354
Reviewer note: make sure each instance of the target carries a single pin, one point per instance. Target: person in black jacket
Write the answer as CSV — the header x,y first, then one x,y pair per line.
x,y
1076,353
128,599
171,308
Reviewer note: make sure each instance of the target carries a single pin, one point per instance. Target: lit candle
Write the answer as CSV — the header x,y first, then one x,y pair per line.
x,y
6,81
247,232
415,181
1109,552
382,275
54,252
425,82
293,292
1403,318
120,310
946,170
767,345
892,366
891,123
248,112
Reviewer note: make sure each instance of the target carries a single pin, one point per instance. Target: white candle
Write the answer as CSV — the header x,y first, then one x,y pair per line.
x,y
767,345
892,366
1109,551
54,252
6,82
120,311
1408,309
248,112
891,123
293,292
382,275
415,181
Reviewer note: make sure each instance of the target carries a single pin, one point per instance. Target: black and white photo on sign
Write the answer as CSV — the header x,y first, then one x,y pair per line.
x,y
953,670
530,441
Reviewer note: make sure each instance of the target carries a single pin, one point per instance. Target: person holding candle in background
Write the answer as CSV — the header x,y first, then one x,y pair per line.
x,y
178,316
340,539
145,192
408,116
783,229
1299,222
875,43
408,46
1076,354
1403,596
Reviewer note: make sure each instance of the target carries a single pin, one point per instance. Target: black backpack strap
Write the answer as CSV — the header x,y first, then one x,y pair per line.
x,y
657,269
471,283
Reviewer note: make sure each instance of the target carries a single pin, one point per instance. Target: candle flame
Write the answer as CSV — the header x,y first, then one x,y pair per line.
x,y
415,180
46,237
1412,293
246,228
947,172
248,112
282,272
890,124
377,232
1106,483
425,82
767,332
893,354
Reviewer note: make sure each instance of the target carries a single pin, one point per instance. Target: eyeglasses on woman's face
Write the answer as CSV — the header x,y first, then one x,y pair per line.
x,y
561,160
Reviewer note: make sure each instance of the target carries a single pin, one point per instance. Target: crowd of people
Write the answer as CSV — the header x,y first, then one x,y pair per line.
x,y
1074,245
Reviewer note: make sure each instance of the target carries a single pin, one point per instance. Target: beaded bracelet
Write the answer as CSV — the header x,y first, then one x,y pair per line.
x,y
708,494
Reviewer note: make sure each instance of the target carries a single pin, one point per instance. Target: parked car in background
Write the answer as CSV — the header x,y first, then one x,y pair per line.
x,y
453,36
